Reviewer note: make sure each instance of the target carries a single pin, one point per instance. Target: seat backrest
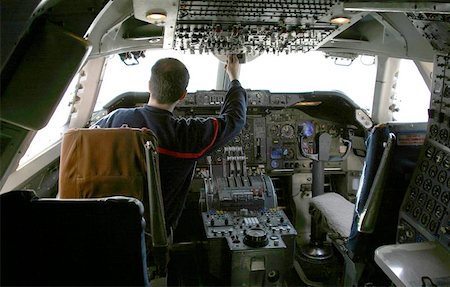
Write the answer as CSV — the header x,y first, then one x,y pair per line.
x,y
99,163
117,162
103,162
72,242
385,196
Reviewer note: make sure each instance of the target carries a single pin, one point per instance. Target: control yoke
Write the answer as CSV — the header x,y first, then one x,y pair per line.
x,y
323,145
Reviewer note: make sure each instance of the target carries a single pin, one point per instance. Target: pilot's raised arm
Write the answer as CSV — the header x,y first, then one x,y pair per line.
x,y
182,140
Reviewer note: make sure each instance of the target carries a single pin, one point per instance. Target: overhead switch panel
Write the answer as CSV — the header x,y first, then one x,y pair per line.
x,y
252,27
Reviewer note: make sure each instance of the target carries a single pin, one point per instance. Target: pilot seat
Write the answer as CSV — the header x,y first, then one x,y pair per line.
x,y
99,162
71,242
356,230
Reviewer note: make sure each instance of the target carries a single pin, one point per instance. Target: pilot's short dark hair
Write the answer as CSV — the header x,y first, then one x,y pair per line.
x,y
169,80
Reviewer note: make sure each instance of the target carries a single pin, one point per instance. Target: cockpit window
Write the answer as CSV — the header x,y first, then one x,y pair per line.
x,y
120,78
313,72
412,97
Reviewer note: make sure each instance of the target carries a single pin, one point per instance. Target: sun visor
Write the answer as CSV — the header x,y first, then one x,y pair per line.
x,y
38,73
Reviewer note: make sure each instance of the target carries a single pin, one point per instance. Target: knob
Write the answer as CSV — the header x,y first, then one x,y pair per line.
x,y
273,276
256,237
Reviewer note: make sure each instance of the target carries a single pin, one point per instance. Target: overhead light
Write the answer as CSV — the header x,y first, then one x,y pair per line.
x,y
341,20
157,17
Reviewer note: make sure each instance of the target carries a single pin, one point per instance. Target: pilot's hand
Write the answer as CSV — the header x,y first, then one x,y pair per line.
x,y
233,67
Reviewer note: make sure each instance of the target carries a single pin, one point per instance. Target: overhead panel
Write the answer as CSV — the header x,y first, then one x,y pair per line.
x,y
433,27
252,27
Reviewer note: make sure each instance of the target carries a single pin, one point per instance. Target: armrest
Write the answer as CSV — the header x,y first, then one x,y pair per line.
x,y
157,220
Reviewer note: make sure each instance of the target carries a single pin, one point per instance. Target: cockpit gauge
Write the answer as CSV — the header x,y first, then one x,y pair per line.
x,y
333,131
307,129
275,130
289,153
287,131
275,164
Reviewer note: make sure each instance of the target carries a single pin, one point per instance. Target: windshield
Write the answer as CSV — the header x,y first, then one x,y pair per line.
x,y
277,73
313,72
120,78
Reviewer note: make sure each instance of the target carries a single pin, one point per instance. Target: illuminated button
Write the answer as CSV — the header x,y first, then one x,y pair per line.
x,y
445,197
429,152
409,206
446,162
424,166
413,193
422,198
439,212
436,191
419,179
428,184
442,176
433,171
430,205
439,157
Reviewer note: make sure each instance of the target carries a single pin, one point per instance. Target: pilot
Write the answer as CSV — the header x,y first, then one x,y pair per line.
x,y
182,141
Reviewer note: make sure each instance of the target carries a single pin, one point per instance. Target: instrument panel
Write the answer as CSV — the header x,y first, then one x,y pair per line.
x,y
425,210
275,124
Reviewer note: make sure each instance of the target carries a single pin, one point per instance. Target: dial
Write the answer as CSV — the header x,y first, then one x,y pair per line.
x,y
274,130
289,153
256,237
287,132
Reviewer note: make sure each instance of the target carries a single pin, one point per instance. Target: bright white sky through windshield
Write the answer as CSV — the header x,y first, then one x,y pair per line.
x,y
283,73
312,72
120,78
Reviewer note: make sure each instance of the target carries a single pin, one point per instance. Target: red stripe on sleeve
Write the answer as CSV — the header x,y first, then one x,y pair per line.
x,y
193,155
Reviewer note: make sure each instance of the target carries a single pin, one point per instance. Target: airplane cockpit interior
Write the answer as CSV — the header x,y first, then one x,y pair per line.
x,y
339,177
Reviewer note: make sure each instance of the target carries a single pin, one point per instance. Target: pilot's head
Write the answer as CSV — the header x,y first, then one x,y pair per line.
x,y
168,81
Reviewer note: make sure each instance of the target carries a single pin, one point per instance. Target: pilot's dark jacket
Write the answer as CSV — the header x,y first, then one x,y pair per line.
x,y
182,141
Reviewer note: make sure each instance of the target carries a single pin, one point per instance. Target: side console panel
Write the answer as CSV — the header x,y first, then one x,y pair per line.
x,y
424,215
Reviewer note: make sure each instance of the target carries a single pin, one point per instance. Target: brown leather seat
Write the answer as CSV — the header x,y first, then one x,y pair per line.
x,y
97,163
104,162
